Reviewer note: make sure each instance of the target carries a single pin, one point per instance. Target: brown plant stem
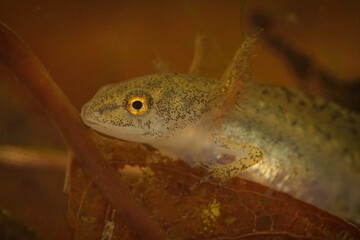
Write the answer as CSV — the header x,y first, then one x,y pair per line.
x,y
17,56
23,158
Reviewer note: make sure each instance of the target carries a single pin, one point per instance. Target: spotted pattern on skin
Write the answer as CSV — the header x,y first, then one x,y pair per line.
x,y
183,105
290,139
177,105
184,113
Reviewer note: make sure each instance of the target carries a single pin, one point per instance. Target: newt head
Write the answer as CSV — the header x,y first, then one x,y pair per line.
x,y
158,107
150,109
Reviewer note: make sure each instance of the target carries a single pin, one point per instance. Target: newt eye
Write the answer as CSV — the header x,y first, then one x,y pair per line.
x,y
138,103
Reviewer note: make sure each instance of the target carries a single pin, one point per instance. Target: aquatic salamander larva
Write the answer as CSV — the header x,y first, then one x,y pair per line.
x,y
295,143
178,114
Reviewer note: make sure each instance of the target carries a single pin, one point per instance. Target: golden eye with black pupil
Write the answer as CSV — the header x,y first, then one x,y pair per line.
x,y
138,103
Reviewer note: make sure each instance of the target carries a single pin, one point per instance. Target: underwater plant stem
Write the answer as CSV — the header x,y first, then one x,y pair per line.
x,y
18,58
23,158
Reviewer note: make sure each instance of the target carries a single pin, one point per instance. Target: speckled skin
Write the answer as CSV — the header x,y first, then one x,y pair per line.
x,y
311,147
179,102
181,122
308,147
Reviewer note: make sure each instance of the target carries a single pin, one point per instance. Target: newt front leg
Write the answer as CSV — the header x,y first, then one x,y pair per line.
x,y
242,156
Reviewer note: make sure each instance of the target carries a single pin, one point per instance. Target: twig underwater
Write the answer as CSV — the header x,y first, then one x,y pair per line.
x,y
23,63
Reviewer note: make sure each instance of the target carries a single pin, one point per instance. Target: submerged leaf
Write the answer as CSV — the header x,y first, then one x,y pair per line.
x,y
240,209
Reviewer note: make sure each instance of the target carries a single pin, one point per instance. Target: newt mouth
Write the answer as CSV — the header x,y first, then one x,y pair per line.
x,y
90,123
87,121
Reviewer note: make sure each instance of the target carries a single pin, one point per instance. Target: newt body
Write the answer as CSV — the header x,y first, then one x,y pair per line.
x,y
289,141
311,147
